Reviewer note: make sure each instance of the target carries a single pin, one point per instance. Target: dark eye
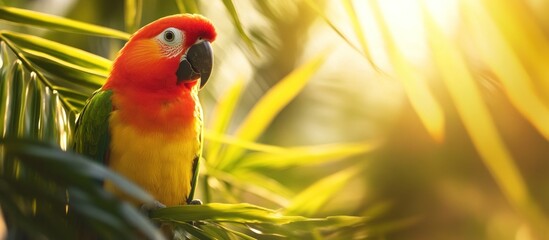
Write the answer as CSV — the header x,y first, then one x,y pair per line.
x,y
169,36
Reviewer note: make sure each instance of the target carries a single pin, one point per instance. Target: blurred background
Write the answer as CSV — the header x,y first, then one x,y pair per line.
x,y
445,102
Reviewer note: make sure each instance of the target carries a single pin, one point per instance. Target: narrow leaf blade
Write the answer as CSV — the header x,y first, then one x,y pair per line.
x,y
236,20
43,20
271,104
305,156
132,14
312,199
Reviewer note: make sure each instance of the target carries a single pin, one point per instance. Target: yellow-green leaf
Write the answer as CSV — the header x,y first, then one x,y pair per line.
x,y
230,140
132,14
416,87
305,156
479,124
43,20
220,119
524,33
357,27
255,183
187,6
61,51
271,104
242,213
310,200
499,54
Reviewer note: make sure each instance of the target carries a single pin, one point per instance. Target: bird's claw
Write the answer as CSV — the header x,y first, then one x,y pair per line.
x,y
195,202
146,208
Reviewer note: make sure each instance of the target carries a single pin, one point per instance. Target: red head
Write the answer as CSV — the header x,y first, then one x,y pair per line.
x,y
168,53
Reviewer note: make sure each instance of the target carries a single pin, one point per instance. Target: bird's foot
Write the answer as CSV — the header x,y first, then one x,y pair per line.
x,y
195,202
146,208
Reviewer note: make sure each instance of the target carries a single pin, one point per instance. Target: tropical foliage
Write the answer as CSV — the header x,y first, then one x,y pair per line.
x,y
325,119
45,85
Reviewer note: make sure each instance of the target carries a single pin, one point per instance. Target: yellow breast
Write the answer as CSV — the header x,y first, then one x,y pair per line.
x,y
161,163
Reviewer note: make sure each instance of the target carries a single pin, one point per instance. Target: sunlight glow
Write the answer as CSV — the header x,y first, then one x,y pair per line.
x,y
403,18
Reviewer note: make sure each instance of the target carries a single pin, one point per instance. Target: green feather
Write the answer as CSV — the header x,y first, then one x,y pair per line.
x,y
91,136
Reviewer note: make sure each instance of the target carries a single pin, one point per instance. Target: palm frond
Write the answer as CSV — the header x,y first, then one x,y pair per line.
x,y
50,192
37,19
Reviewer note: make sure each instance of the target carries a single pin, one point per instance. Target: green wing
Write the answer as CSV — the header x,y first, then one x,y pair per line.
x,y
91,136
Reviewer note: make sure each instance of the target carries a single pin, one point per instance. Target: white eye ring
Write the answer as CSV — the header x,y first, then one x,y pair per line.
x,y
171,36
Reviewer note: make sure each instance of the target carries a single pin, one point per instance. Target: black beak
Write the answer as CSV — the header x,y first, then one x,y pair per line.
x,y
197,63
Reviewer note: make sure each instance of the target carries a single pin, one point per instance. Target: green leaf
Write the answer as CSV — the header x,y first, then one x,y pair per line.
x,y
230,140
244,213
310,200
43,20
304,156
255,183
187,6
37,154
33,104
38,225
44,172
14,114
192,230
48,128
216,231
75,74
63,52
238,234
5,59
220,119
266,109
236,20
331,222
132,14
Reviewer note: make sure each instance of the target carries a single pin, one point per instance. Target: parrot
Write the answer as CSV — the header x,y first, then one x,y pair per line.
x,y
145,122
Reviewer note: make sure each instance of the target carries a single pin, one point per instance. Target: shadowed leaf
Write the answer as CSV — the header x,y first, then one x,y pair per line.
x,y
89,203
